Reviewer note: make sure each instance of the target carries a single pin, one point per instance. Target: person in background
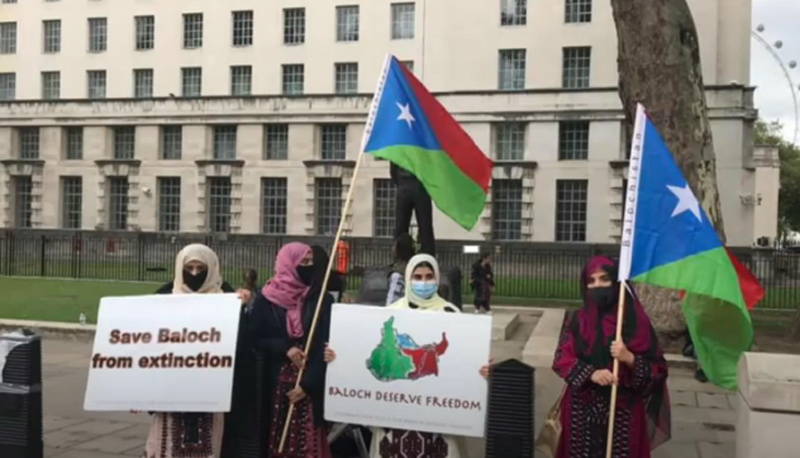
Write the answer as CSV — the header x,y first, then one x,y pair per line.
x,y
422,284
200,435
584,359
281,320
403,250
482,283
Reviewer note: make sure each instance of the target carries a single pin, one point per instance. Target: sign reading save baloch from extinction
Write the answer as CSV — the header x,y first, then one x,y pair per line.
x,y
408,369
164,353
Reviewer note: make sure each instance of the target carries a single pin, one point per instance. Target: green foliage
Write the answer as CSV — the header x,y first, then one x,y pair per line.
x,y
789,200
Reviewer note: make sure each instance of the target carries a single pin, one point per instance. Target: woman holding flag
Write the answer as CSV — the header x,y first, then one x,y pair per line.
x,y
584,359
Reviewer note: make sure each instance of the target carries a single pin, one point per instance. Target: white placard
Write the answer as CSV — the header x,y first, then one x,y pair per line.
x,y
164,353
472,249
452,401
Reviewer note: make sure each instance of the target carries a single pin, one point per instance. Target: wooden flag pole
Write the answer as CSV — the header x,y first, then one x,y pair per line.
x,y
613,407
342,220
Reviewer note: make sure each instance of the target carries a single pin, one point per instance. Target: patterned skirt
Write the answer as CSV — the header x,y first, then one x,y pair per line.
x,y
185,435
304,439
396,443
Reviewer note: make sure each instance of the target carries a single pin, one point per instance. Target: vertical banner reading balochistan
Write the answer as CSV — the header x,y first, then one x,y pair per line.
x,y
408,369
164,353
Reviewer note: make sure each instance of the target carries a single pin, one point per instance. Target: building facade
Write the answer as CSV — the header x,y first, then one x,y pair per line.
x,y
247,116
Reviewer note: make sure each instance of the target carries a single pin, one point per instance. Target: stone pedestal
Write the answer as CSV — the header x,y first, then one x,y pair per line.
x,y
769,406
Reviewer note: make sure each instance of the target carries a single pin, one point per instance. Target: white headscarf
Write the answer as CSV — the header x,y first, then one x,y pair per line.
x,y
201,253
436,303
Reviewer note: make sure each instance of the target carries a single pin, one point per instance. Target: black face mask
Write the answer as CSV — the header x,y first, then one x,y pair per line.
x,y
306,274
603,297
194,281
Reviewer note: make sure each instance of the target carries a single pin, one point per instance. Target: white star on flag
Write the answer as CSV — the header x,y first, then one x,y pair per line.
x,y
686,201
405,114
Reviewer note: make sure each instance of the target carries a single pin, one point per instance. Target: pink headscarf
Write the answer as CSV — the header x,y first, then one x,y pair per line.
x,y
285,288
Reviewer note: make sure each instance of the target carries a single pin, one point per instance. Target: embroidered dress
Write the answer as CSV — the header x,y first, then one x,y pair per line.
x,y
185,435
642,415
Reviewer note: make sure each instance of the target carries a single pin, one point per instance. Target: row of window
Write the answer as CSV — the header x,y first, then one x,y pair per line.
x,y
576,74
509,140
512,13
507,206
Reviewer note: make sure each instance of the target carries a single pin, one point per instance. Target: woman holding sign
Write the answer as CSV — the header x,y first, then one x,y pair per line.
x,y
282,316
199,435
422,285
584,359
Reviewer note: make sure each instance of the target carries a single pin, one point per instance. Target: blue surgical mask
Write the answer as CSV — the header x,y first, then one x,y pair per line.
x,y
424,289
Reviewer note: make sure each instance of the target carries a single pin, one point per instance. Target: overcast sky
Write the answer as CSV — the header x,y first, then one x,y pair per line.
x,y
773,98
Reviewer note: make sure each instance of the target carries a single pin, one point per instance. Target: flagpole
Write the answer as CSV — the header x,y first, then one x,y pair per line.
x,y
614,388
347,201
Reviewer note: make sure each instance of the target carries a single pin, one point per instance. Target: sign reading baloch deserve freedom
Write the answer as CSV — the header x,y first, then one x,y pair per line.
x,y
164,353
408,369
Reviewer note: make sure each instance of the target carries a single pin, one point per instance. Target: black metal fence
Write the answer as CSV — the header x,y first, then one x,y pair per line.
x,y
522,269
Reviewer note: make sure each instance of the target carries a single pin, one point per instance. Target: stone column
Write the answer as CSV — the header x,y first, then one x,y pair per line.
x,y
769,406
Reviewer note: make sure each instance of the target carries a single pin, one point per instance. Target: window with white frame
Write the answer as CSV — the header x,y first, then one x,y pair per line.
x,y
143,83
333,142
96,84
242,28
224,142
98,34
73,150
51,39
403,22
51,85
293,79
384,198
273,205
8,37
124,142
191,81
506,209
571,203
328,205
346,78
71,202
241,80
577,11
8,86
276,142
192,30
512,69
169,204
576,67
219,204
145,32
171,143
347,18
29,143
294,26
513,12
509,141
118,201
23,201
573,140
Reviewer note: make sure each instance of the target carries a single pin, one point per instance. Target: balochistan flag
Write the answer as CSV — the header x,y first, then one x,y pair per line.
x,y
668,241
410,128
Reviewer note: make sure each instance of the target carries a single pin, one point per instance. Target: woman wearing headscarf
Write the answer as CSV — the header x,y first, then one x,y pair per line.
x,y
422,285
282,316
199,435
584,359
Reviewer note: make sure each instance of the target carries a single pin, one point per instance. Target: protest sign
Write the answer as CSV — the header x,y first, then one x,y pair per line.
x,y
164,353
408,369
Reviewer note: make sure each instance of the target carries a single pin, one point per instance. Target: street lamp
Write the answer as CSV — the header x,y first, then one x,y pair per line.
x,y
785,67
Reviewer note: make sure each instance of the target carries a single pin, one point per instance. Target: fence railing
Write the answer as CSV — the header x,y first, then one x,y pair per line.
x,y
522,269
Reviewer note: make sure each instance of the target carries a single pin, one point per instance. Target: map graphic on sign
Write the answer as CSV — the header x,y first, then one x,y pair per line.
x,y
399,357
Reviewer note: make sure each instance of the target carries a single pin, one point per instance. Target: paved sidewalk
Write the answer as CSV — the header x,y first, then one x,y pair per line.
x,y
703,416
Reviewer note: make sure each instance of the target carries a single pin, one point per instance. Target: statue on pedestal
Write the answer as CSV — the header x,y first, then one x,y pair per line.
x,y
412,197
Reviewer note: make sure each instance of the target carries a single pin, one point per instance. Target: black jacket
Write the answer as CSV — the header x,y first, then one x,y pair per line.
x,y
268,326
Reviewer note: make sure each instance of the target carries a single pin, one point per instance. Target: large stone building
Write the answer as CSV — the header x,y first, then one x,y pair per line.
x,y
247,116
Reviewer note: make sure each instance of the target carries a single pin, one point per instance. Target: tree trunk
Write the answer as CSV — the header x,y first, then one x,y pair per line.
x,y
659,67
